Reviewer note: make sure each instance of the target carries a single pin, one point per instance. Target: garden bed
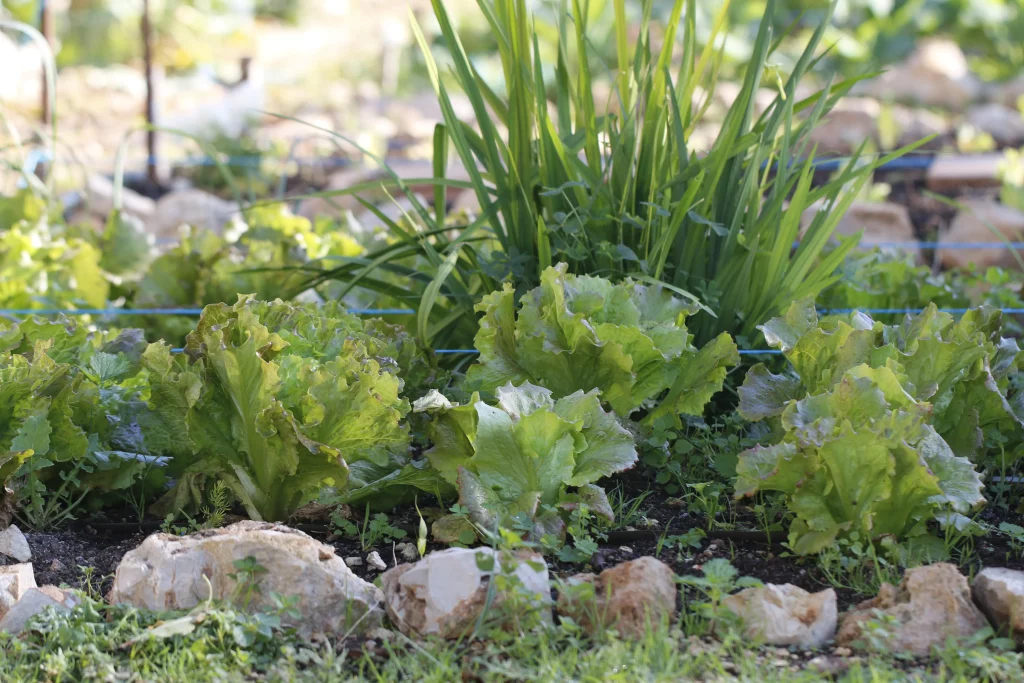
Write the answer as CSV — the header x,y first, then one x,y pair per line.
x,y
98,546
595,425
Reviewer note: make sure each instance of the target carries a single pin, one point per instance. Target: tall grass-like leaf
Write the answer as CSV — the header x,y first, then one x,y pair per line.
x,y
622,193
430,296
440,168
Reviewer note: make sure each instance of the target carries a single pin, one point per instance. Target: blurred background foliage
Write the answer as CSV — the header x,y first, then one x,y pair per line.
x,y
105,32
865,34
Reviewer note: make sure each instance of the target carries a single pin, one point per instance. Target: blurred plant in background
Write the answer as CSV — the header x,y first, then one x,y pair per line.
x,y
105,32
1011,174
869,34
864,35
623,193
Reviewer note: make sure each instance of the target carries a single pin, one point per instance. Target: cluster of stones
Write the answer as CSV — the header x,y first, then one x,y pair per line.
x,y
450,593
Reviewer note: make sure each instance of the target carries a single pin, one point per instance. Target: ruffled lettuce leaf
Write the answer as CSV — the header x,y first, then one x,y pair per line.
x,y
522,455
579,333
279,401
860,457
73,405
962,368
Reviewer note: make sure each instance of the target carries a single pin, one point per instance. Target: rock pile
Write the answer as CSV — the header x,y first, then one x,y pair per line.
x,y
453,593
630,598
21,599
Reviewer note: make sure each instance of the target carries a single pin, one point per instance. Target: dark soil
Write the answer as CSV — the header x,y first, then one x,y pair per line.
x,y
58,557
930,216
140,183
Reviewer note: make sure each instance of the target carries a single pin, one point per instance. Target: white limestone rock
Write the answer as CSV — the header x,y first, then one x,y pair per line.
x,y
14,544
179,572
444,593
786,614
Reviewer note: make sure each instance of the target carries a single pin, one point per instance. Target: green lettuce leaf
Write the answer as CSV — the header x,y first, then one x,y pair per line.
x,y
280,401
961,368
860,457
579,333
522,455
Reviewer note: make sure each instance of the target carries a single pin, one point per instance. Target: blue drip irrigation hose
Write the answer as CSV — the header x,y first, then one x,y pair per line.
x,y
255,162
405,311
940,245
907,163
452,351
168,311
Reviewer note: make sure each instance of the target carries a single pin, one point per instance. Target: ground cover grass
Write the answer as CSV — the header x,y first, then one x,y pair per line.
x,y
97,642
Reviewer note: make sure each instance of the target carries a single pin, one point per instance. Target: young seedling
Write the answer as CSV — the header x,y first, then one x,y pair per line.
x,y
246,577
719,580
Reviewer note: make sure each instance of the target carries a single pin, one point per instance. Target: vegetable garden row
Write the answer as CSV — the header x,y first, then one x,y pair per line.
x,y
871,429
630,338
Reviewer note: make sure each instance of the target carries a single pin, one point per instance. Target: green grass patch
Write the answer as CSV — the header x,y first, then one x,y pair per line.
x,y
98,642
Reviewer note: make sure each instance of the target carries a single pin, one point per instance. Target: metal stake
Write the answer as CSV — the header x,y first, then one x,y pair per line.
x,y
147,56
46,28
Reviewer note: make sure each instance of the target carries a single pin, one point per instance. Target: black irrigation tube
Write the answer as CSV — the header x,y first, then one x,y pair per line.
x,y
914,162
322,529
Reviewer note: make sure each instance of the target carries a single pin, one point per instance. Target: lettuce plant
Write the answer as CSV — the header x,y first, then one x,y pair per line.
x,y
34,397
579,333
279,400
878,422
890,279
860,457
529,457
264,255
41,268
72,406
962,368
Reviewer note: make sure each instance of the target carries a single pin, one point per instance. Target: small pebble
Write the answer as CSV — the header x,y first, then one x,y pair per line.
x,y
14,544
625,549
382,634
56,566
354,561
831,666
407,551
842,652
375,561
